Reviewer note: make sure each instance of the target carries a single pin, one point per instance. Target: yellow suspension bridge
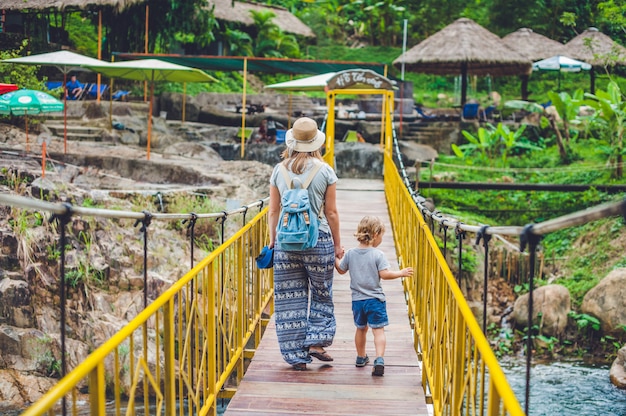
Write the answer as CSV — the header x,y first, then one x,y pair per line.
x,y
209,337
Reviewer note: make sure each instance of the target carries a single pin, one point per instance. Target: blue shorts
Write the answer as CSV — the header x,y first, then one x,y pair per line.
x,y
370,312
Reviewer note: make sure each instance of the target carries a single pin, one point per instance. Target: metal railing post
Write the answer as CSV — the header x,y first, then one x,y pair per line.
x,y
528,237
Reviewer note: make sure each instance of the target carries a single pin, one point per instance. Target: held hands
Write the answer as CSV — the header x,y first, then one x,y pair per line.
x,y
339,252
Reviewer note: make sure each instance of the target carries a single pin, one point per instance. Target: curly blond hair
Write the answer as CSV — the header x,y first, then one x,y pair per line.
x,y
368,229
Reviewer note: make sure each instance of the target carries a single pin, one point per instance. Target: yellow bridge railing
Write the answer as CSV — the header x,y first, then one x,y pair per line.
x,y
458,364
188,347
185,349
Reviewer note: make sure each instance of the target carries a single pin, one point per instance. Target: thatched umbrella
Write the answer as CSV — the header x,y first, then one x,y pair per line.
x,y
239,12
596,48
466,48
533,46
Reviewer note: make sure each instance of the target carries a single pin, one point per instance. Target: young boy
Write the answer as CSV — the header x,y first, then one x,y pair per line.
x,y
367,266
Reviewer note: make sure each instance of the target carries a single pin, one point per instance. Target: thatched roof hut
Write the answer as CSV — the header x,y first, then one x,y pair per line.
x,y
596,48
533,45
464,44
239,12
464,48
64,4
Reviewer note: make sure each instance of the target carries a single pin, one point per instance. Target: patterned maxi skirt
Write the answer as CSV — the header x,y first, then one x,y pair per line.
x,y
303,299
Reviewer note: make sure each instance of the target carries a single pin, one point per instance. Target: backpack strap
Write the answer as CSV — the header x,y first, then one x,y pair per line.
x,y
286,175
309,178
314,171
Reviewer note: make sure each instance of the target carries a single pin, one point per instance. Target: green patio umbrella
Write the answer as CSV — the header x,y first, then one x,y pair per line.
x,y
24,102
64,61
151,70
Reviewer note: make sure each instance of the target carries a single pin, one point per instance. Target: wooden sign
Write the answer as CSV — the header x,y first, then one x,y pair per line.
x,y
359,78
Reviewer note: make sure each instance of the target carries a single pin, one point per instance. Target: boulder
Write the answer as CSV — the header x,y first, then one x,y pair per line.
x,y
617,373
15,303
552,302
172,104
607,302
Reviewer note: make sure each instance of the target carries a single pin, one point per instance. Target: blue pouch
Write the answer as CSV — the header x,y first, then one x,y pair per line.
x,y
265,260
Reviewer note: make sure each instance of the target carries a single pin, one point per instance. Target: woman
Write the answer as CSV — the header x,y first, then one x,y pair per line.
x,y
304,330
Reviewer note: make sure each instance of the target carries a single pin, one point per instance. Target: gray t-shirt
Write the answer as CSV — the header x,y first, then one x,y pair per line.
x,y
317,188
364,265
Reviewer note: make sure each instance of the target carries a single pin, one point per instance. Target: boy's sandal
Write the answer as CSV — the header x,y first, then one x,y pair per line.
x,y
321,355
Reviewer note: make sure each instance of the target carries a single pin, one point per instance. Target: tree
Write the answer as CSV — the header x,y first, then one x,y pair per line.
x,y
168,20
270,40
239,43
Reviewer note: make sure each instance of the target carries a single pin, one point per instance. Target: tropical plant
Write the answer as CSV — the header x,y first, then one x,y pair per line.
x,y
239,43
270,40
567,106
610,115
493,142
551,118
25,76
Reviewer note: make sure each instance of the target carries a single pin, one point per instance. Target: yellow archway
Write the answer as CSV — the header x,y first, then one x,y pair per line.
x,y
359,82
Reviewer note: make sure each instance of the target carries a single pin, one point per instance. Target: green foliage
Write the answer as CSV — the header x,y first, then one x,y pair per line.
x,y
585,322
271,41
549,342
501,340
25,76
493,142
610,114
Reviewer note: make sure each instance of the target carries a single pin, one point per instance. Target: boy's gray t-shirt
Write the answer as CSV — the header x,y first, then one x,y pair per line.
x,y
364,265
317,188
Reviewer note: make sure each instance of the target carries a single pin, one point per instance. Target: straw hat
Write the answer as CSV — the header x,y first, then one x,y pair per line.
x,y
304,136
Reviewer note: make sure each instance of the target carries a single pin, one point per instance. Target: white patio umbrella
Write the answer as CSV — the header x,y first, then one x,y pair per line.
x,y
561,63
64,61
151,70
314,83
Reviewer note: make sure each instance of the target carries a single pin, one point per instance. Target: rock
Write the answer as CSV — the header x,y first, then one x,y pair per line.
x,y
617,373
192,150
17,388
358,160
172,103
607,302
553,302
94,110
15,303
9,340
415,152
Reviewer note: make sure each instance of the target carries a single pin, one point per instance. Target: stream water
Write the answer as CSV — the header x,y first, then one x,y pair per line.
x,y
566,389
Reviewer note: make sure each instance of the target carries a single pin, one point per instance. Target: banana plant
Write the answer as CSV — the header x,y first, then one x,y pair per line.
x,y
484,142
567,106
538,108
610,112
493,142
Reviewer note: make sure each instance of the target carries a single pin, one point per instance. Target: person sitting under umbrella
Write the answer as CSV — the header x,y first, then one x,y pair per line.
x,y
73,88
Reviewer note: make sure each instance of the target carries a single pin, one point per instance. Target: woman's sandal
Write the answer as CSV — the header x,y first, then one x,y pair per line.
x,y
320,355
299,367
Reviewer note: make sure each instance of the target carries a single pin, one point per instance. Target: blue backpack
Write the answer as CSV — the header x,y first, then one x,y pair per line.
x,y
298,226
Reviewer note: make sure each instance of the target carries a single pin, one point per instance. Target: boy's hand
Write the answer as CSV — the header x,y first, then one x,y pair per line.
x,y
407,272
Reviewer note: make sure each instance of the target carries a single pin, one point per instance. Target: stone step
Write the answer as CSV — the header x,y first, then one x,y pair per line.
x,y
74,132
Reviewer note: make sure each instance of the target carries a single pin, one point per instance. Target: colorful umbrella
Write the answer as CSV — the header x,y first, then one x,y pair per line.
x,y
25,102
64,61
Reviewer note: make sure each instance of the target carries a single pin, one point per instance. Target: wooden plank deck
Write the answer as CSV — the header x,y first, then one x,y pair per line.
x,y
271,387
